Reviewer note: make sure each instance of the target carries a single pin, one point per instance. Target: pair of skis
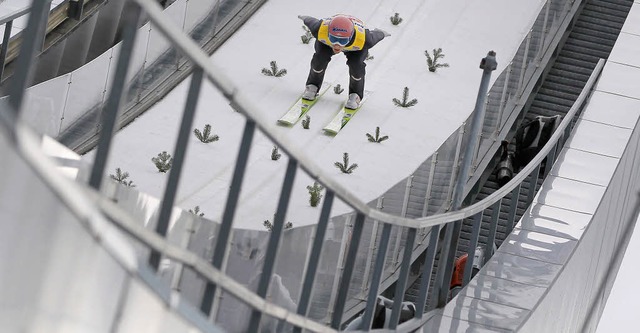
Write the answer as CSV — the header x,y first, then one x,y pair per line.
x,y
302,106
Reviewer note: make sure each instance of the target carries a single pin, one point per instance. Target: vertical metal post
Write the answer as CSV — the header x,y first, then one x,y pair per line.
x,y
314,257
407,192
473,242
513,208
551,157
493,227
372,248
118,87
179,154
545,30
340,266
456,165
427,270
533,182
401,283
274,241
5,46
381,257
476,148
452,230
425,206
184,243
31,38
525,60
503,98
220,250
350,263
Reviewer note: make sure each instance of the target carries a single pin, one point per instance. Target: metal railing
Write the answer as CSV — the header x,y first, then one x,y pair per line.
x,y
213,271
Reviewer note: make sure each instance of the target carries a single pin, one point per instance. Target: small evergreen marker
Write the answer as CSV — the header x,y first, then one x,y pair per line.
x,y
121,177
344,166
163,161
267,224
196,211
205,136
274,71
396,19
432,62
275,155
377,138
315,193
405,103
306,121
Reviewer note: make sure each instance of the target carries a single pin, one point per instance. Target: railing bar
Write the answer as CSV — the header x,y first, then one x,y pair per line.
x,y
513,207
493,227
551,157
179,154
339,266
5,46
524,61
471,250
381,256
31,43
432,170
427,270
456,164
372,247
533,183
503,97
314,257
447,256
110,111
401,283
229,212
274,241
348,271
396,247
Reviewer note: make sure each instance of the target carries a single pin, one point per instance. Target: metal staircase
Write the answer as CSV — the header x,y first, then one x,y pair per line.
x,y
592,37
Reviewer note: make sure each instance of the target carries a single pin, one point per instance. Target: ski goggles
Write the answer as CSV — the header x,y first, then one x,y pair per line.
x,y
339,40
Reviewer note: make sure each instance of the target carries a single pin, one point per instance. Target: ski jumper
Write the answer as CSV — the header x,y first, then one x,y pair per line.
x,y
356,52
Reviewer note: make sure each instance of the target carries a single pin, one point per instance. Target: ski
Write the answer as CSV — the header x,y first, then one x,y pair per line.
x,y
301,107
343,116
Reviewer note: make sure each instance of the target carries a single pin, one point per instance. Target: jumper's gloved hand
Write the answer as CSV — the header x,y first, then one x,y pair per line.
x,y
386,34
303,17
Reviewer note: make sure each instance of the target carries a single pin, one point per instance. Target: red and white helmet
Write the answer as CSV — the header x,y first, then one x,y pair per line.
x,y
340,30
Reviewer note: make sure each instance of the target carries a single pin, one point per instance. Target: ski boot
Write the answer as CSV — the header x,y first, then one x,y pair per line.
x,y
310,92
353,102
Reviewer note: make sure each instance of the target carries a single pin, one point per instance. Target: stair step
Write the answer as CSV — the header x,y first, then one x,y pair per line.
x,y
554,99
622,6
601,19
594,39
561,59
598,29
566,81
569,74
579,56
559,94
573,68
586,51
588,44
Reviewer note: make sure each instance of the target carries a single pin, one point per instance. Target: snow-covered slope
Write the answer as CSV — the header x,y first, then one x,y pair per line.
x,y
465,29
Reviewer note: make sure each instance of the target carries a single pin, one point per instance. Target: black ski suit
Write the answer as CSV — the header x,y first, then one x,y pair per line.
x,y
355,59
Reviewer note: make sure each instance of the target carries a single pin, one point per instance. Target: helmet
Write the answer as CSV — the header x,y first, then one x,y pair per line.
x,y
340,30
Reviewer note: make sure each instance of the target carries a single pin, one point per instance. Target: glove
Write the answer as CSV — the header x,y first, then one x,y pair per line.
x,y
303,17
386,34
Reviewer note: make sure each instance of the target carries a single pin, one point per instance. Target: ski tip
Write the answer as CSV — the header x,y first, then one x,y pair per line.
x,y
284,122
329,132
